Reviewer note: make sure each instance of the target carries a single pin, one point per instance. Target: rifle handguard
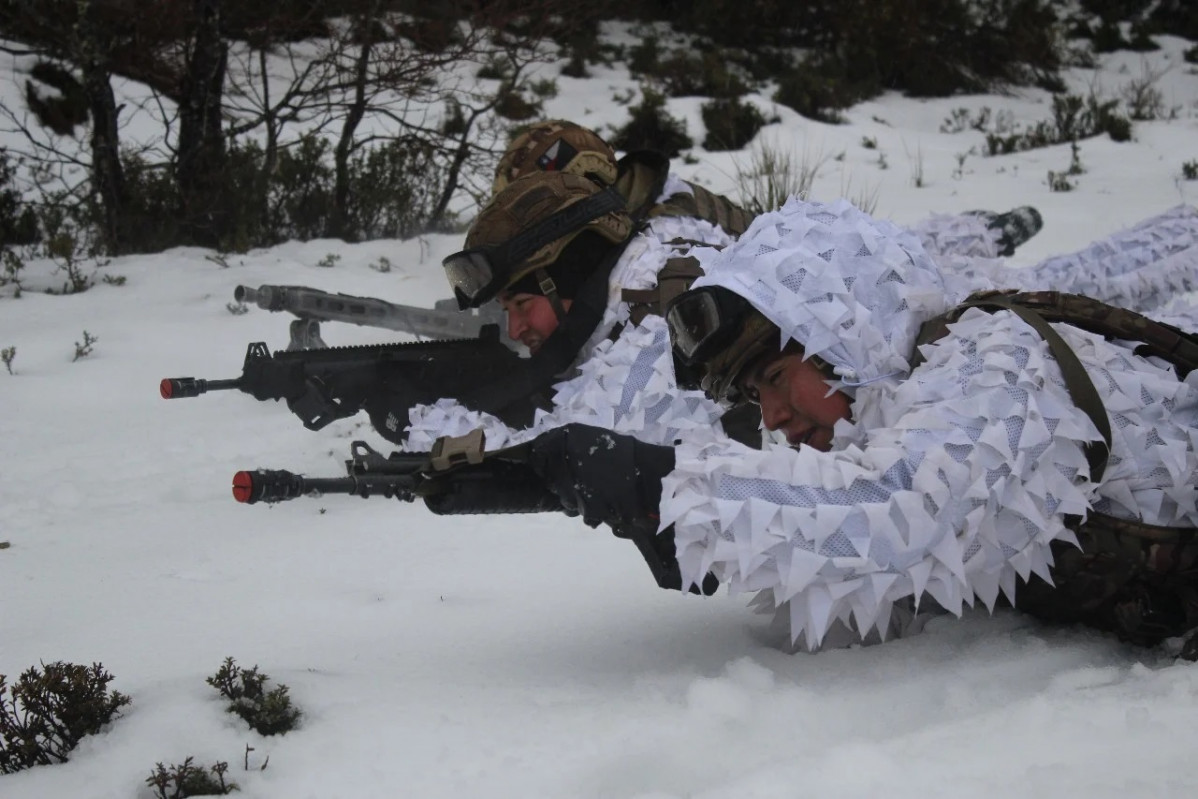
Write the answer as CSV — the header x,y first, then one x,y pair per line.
x,y
495,487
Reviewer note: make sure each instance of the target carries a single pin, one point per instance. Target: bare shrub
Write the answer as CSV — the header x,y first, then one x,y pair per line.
x,y
179,781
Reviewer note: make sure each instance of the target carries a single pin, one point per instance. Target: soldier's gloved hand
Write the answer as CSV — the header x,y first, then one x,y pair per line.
x,y
614,479
608,478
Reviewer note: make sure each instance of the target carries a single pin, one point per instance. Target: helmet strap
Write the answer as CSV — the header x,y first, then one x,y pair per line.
x,y
549,289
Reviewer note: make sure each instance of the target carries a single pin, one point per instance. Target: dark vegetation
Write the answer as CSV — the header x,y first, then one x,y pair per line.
x,y
268,712
48,711
240,167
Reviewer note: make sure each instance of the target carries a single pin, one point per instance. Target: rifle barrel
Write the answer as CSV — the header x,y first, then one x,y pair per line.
x,y
180,387
277,485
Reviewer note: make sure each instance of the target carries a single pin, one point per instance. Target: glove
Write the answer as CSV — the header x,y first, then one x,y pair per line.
x,y
614,479
605,477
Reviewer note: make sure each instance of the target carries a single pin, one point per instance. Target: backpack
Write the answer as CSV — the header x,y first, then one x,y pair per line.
x,y
642,180
1137,580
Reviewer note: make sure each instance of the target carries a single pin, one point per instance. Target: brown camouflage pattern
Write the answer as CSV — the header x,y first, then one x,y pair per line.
x,y
592,157
532,199
715,208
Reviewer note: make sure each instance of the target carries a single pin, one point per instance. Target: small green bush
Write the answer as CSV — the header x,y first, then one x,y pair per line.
x,y
1191,55
1074,118
644,56
819,88
515,106
1189,170
393,188
652,128
495,69
179,781
152,206
66,107
45,714
18,223
580,45
85,349
700,71
1059,181
267,712
731,123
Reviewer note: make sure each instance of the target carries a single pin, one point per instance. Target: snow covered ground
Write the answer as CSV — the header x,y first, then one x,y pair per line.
x,y
425,663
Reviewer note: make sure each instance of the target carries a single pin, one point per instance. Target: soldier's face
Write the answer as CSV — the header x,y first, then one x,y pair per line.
x,y
795,399
530,318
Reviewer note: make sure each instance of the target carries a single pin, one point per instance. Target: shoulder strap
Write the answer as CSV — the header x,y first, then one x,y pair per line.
x,y
1156,338
675,277
1077,380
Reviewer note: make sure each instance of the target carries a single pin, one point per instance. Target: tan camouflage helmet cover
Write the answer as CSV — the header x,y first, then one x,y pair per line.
x,y
533,199
556,145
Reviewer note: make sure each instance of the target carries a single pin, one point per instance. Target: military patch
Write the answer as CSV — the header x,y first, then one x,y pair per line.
x,y
557,156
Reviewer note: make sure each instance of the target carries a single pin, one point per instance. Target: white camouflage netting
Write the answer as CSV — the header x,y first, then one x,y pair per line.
x,y
950,481
1141,268
965,236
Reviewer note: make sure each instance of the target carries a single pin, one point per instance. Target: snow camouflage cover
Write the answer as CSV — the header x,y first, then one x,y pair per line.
x,y
950,481
1142,268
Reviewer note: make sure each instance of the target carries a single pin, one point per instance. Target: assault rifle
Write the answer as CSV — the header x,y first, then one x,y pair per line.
x,y
455,478
312,306
322,385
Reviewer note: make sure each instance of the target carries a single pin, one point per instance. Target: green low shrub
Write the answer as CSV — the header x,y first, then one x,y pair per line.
x,y
180,781
46,713
731,124
267,712
652,128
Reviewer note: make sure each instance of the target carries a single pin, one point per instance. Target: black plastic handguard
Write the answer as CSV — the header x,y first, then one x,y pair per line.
x,y
455,478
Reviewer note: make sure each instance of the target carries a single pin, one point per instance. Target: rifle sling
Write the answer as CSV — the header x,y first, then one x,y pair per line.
x,y
1077,381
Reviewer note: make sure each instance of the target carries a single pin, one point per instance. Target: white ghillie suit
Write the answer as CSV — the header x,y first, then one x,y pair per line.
x,y
1141,268
953,478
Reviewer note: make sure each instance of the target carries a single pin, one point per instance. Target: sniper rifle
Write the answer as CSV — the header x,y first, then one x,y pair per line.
x,y
312,306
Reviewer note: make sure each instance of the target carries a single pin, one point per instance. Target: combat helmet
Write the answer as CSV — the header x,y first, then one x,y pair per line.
x,y
556,145
523,231
716,335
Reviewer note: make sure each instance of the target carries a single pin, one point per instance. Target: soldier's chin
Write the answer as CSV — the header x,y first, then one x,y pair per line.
x,y
533,343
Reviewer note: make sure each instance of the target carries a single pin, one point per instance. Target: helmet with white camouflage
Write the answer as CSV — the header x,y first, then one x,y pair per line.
x,y
556,145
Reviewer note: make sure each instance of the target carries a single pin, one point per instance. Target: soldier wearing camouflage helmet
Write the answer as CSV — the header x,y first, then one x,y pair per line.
x,y
642,177
580,285
535,245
